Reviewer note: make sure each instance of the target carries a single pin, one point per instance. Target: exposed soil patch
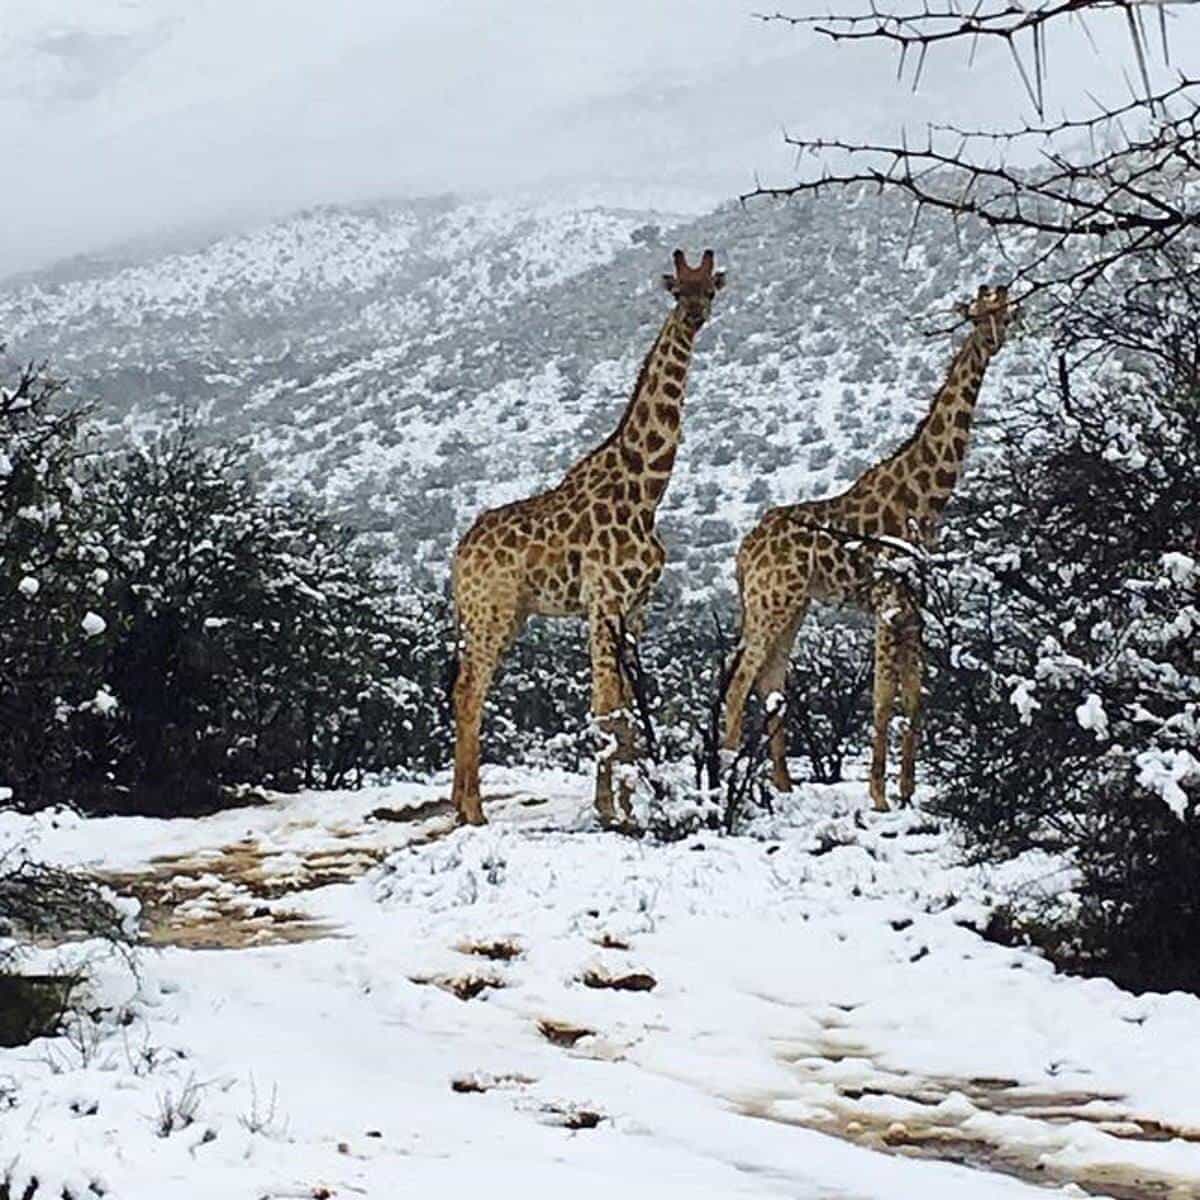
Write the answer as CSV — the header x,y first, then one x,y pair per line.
x,y
418,812
933,1128
227,898
481,1081
635,981
560,1033
500,950
465,987
608,942
570,1117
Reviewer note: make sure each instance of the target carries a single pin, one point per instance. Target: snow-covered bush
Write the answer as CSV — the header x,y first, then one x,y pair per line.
x,y
681,781
167,633
53,590
252,642
39,903
1063,641
829,696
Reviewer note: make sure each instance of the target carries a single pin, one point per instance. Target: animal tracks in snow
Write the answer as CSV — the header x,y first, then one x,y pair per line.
x,y
825,976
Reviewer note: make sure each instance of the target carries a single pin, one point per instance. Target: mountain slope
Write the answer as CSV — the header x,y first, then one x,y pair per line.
x,y
410,364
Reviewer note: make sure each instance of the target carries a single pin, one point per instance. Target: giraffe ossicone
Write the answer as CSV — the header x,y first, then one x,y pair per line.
x,y
845,550
586,548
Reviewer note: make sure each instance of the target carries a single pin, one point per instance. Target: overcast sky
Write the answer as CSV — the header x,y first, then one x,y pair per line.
x,y
120,118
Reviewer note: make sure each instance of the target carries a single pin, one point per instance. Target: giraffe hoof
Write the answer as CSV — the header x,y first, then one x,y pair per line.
x,y
625,825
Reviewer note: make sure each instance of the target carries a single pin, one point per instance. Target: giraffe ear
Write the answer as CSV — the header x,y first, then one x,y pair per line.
x,y
668,282
719,280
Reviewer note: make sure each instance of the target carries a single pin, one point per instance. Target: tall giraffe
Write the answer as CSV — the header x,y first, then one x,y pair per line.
x,y
585,548
836,550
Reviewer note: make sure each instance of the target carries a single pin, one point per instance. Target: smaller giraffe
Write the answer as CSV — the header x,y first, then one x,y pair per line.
x,y
837,550
586,548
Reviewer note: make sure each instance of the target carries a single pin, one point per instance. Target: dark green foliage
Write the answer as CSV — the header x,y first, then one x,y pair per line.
x,y
53,567
33,1006
253,642
169,634
829,696
1063,631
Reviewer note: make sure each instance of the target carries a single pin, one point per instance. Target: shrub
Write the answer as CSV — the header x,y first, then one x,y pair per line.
x,y
53,582
253,642
829,696
1066,687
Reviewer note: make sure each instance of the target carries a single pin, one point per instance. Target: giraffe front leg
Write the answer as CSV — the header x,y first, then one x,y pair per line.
x,y
470,691
485,635
912,663
608,711
885,695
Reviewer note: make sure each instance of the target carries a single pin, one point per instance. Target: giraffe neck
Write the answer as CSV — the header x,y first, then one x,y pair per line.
x,y
650,428
927,468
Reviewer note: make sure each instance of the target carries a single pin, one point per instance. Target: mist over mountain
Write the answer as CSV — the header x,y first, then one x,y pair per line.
x,y
134,117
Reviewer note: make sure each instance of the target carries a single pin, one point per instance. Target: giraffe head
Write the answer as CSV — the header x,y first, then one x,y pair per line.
x,y
694,287
992,315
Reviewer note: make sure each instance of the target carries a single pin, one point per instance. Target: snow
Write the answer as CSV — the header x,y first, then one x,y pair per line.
x,y
1091,715
29,587
93,624
104,702
1162,771
822,977
1023,700
1181,568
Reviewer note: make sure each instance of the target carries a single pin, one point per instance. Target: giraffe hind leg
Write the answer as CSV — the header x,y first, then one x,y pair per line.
x,y
609,691
754,645
897,667
770,617
773,679
747,664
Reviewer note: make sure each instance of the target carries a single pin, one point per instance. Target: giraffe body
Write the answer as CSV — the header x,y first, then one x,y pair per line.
x,y
843,550
586,548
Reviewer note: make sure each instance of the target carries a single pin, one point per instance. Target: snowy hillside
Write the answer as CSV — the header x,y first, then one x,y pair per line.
x,y
355,999
413,363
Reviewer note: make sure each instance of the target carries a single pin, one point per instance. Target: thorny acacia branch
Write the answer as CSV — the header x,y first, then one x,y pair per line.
x,y
1119,185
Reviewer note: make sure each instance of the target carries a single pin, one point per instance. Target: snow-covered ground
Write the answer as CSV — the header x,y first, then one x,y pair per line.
x,y
403,1008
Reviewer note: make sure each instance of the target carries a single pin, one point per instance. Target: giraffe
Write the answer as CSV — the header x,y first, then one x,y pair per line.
x,y
584,548
837,550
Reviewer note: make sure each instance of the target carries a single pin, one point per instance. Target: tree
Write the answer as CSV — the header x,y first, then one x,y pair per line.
x,y
1064,629
1115,185
54,576
254,643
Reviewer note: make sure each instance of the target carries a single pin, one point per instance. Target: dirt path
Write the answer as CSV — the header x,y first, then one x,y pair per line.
x,y
948,1119
250,892
246,893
